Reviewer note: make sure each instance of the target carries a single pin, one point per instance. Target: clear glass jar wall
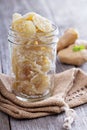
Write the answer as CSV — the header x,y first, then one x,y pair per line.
x,y
33,64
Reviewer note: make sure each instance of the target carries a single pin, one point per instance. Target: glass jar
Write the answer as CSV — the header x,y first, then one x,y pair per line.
x,y
33,64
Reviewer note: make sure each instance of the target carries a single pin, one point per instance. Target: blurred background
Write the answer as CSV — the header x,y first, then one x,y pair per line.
x,y
64,13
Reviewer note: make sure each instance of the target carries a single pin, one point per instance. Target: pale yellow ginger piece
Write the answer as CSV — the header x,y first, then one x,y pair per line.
x,y
16,16
26,69
29,16
33,41
17,25
41,82
44,85
45,63
24,27
23,71
28,88
42,23
46,68
30,41
48,51
36,42
45,37
25,87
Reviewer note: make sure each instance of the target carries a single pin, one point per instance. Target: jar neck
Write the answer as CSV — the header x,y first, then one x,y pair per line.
x,y
40,37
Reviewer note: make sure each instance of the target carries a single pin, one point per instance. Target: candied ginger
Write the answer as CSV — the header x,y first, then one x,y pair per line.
x,y
31,58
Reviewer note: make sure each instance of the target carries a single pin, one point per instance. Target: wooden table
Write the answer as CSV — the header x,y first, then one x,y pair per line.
x,y
64,13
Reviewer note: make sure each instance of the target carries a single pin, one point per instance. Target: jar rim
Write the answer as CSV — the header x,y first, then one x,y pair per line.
x,y
54,26
12,32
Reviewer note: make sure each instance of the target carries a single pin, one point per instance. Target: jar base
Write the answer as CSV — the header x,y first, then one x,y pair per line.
x,y
24,97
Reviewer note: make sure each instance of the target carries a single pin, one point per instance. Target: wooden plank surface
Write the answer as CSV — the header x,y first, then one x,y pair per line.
x,y
4,120
68,13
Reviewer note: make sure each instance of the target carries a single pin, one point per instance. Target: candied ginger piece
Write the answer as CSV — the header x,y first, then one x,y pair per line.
x,y
24,27
41,82
42,23
45,37
29,16
45,63
24,87
16,16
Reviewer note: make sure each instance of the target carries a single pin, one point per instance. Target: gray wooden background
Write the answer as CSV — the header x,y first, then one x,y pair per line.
x,y
64,13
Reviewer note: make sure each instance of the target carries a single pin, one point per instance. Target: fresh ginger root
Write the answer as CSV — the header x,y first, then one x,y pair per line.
x,y
68,38
72,50
68,56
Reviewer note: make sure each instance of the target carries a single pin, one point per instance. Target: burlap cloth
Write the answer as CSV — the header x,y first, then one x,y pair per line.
x,y
70,89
